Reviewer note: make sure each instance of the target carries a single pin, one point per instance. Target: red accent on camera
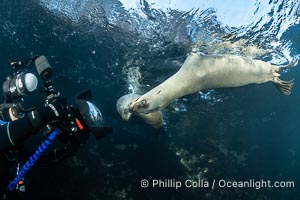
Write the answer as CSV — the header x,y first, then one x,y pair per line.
x,y
79,125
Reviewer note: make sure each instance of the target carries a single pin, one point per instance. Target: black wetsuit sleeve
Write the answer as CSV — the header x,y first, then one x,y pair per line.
x,y
12,133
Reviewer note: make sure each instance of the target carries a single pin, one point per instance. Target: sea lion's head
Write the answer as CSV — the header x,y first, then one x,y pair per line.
x,y
142,105
123,105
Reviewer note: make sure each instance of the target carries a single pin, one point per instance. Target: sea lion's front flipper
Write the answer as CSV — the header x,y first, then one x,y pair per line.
x,y
154,119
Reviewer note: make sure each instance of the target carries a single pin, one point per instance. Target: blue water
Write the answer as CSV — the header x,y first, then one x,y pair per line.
x,y
238,134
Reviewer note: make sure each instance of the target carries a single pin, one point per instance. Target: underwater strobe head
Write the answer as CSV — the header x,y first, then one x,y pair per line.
x,y
19,85
43,68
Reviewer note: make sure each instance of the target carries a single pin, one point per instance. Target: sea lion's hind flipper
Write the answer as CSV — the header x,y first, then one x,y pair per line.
x,y
284,86
290,65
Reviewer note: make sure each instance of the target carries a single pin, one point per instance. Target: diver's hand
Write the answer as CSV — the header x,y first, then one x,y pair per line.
x,y
59,109
49,113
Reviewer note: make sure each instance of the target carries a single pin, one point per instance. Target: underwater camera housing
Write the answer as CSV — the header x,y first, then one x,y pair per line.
x,y
88,116
87,113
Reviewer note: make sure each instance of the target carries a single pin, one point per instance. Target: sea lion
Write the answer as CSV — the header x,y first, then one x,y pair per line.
x,y
154,119
201,72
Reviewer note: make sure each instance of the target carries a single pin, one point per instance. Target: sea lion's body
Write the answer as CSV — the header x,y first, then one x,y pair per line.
x,y
208,72
154,119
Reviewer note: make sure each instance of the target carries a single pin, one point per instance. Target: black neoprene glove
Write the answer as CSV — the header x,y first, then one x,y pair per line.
x,y
49,113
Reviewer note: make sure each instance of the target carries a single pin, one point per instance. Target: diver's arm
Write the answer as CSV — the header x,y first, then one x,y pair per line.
x,y
13,133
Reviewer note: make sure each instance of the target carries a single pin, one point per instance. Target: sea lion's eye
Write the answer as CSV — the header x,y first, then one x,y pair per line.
x,y
143,103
